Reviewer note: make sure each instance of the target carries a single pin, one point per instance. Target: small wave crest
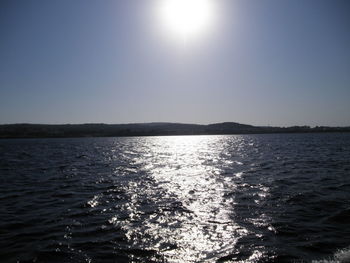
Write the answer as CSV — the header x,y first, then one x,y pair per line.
x,y
341,256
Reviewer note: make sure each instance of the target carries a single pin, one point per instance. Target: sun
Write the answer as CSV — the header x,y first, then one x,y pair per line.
x,y
186,18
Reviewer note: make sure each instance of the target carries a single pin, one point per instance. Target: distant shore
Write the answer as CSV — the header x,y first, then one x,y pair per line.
x,y
149,129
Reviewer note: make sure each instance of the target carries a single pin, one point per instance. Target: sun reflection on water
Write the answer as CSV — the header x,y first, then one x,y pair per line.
x,y
190,175
185,204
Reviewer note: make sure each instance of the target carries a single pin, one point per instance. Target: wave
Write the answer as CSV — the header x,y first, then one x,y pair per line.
x,y
341,256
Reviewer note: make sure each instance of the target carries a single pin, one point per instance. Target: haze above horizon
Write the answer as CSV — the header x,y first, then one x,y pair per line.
x,y
271,62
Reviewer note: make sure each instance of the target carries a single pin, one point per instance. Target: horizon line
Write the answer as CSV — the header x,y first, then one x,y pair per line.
x,y
166,122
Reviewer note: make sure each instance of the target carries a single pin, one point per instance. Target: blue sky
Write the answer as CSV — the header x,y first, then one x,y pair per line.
x,y
263,62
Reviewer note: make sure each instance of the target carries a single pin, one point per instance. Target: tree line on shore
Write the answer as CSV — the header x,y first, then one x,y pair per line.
x,y
148,129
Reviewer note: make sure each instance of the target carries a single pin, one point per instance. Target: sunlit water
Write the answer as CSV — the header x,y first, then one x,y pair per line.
x,y
251,198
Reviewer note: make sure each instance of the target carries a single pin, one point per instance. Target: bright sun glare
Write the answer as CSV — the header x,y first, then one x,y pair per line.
x,y
186,18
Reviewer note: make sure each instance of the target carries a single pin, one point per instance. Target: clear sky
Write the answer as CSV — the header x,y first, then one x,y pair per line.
x,y
261,62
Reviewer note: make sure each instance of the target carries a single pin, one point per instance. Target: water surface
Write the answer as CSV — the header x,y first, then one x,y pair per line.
x,y
244,198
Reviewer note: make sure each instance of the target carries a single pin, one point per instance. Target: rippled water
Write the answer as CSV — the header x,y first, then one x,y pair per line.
x,y
250,198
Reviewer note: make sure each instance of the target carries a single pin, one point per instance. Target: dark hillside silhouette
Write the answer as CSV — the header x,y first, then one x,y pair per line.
x,y
147,129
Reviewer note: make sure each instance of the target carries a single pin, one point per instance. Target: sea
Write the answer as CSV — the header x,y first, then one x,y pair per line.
x,y
229,198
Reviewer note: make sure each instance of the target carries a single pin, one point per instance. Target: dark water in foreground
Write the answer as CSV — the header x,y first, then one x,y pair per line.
x,y
251,198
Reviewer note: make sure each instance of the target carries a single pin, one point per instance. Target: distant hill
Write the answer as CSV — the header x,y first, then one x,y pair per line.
x,y
147,129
